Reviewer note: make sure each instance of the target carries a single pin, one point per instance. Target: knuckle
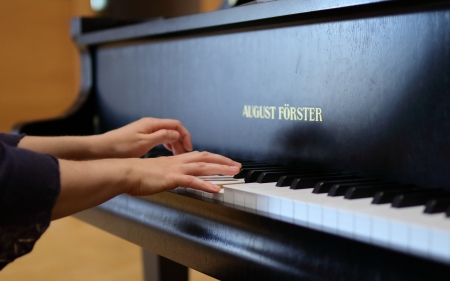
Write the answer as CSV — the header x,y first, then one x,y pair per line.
x,y
201,165
204,154
165,133
189,180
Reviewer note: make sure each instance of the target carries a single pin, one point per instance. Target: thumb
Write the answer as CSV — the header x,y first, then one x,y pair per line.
x,y
163,136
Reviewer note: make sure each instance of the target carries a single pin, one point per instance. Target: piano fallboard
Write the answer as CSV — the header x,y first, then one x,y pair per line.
x,y
350,92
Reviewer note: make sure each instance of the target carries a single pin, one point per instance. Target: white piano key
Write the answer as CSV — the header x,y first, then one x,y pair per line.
x,y
403,229
440,245
362,227
380,231
300,212
329,219
250,201
249,194
266,195
233,193
216,196
222,180
274,206
317,216
190,190
287,209
314,216
399,236
239,198
228,195
439,237
345,223
418,242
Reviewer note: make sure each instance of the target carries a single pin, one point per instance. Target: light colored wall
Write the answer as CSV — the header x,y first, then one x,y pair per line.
x,y
38,63
209,5
38,78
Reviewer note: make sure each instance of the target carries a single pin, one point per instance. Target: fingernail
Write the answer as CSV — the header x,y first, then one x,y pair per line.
x,y
234,168
214,187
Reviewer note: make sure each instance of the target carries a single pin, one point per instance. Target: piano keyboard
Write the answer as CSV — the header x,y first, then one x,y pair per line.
x,y
344,204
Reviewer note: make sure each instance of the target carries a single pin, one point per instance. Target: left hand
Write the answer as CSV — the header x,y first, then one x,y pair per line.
x,y
137,138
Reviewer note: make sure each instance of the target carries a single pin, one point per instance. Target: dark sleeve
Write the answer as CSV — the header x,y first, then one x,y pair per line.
x,y
29,187
11,140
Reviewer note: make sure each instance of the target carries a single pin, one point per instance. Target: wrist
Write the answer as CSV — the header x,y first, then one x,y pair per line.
x,y
128,174
98,147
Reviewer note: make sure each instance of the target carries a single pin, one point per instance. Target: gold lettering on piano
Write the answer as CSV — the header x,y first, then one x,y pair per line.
x,y
257,111
285,112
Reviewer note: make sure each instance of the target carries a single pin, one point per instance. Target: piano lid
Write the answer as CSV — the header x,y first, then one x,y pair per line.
x,y
248,14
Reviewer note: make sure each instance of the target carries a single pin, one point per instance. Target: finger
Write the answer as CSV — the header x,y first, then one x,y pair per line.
x,y
207,169
195,183
168,146
176,125
163,136
209,158
177,148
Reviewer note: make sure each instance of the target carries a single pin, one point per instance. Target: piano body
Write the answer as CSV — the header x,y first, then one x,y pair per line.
x,y
350,85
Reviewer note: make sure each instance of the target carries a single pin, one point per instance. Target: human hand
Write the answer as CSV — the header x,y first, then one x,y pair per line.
x,y
85,184
159,174
137,138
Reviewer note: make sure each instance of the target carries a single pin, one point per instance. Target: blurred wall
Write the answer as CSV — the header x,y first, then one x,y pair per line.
x,y
37,74
39,70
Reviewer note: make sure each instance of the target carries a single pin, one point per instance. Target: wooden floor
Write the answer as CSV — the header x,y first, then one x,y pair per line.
x,y
72,250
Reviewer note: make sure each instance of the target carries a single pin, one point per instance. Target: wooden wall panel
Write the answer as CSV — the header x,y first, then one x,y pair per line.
x,y
209,5
39,70
37,74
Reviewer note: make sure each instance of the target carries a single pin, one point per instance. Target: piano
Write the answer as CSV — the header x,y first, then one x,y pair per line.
x,y
341,103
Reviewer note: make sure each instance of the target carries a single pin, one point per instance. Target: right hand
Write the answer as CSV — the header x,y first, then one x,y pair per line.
x,y
155,175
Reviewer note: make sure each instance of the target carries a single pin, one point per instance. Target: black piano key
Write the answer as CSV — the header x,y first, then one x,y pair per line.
x,y
447,213
417,198
325,186
253,175
288,179
311,181
387,196
244,171
358,192
438,205
259,164
274,176
340,189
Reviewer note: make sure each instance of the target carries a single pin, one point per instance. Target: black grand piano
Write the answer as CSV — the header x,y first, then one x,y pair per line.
x,y
340,109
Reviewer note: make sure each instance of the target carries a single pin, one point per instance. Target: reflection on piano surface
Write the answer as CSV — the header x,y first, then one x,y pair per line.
x,y
340,109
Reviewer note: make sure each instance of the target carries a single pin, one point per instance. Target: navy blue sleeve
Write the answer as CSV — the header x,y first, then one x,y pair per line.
x,y
11,140
29,187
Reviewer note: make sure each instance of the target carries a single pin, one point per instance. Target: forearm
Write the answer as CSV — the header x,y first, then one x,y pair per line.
x,y
73,148
85,184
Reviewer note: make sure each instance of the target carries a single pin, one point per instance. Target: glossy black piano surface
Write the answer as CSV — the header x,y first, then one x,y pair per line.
x,y
356,85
